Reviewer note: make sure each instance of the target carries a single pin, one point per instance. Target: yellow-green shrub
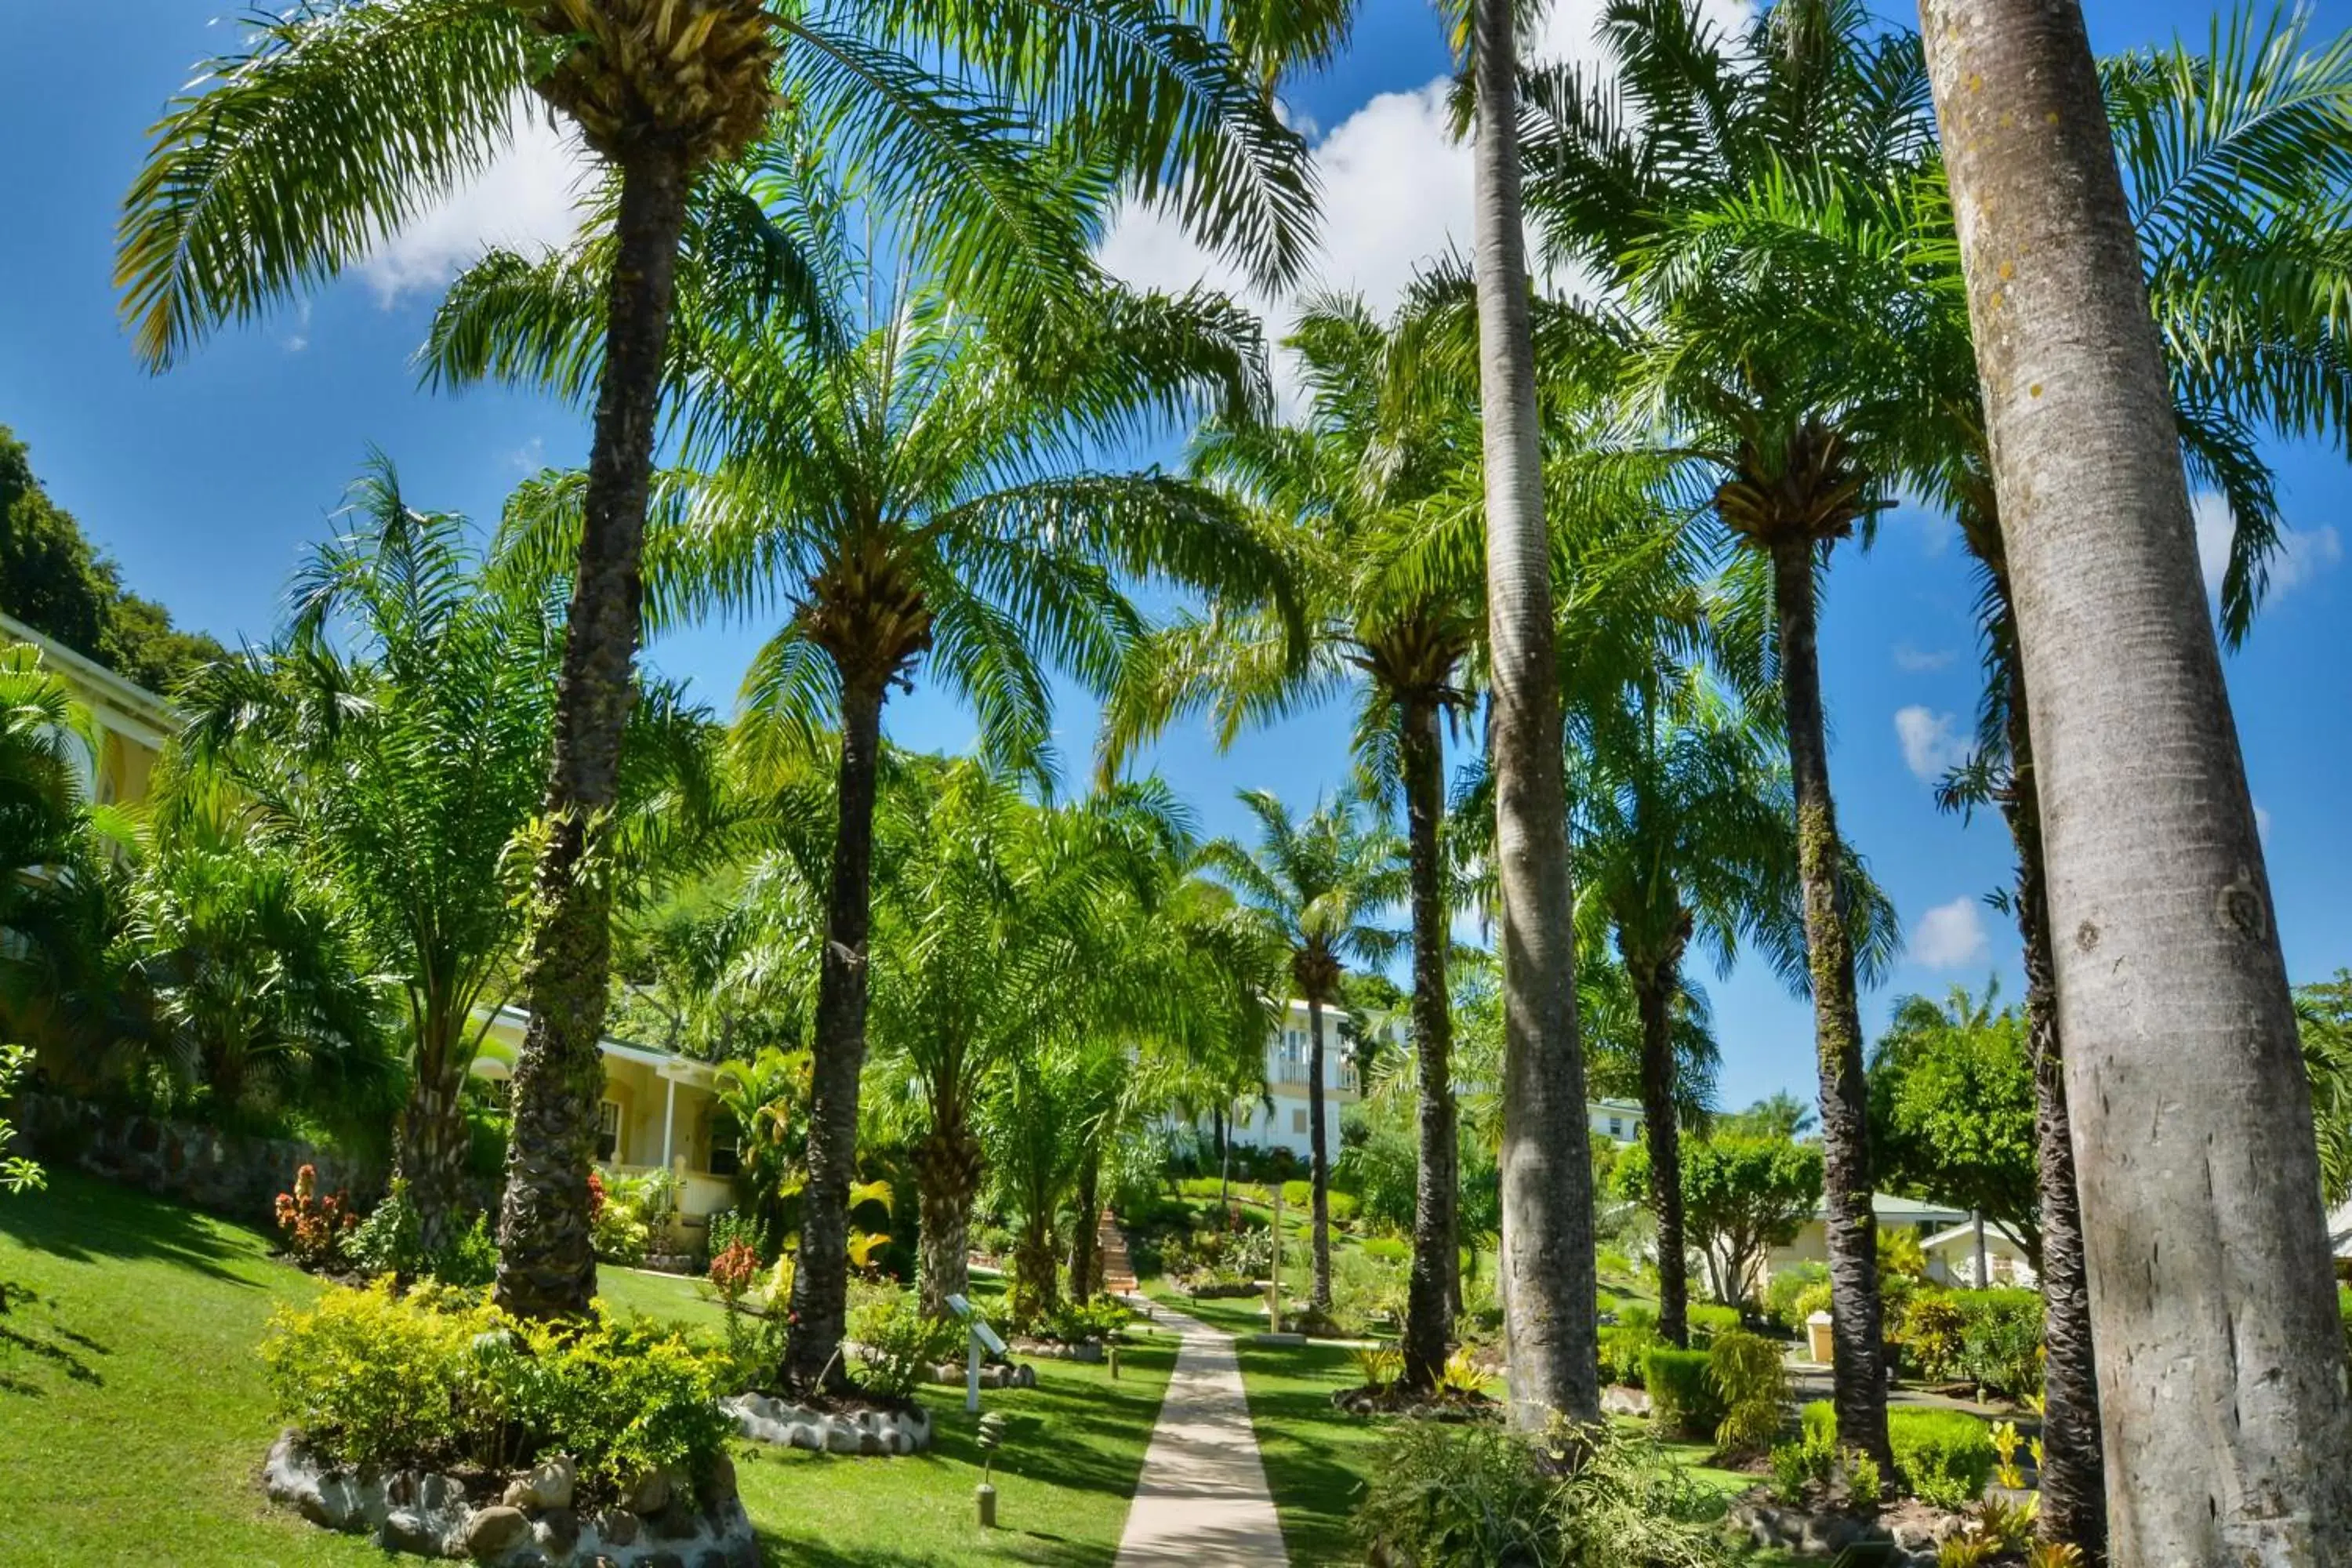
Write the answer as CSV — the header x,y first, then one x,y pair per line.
x,y
371,1378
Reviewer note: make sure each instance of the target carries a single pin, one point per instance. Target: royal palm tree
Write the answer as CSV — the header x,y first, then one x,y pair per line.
x,y
288,159
1351,490
1319,883
1787,385
392,741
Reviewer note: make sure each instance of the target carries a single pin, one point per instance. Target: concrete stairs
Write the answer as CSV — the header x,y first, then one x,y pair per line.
x,y
1118,1268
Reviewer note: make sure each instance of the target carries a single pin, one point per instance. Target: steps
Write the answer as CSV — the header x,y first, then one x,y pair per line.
x,y
1110,1245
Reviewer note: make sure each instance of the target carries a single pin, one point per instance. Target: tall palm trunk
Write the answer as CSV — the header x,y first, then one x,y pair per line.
x,y
1859,1377
1318,1158
1085,1258
1429,1293
2206,1247
1549,1280
947,1168
546,1266
1653,993
821,1279
2073,1507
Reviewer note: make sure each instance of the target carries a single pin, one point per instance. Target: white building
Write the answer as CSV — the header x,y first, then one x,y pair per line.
x,y
1618,1121
1281,1119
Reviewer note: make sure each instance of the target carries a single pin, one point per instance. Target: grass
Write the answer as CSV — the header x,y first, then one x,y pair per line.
x,y
133,1417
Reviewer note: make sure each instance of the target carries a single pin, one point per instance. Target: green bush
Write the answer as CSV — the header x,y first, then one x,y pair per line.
x,y
392,1241
730,1226
1365,1291
895,1343
1707,1319
1941,1457
1807,1462
1682,1400
1299,1198
1930,1333
1746,1373
1481,1494
1787,1291
1388,1248
438,1376
1623,1347
2001,1343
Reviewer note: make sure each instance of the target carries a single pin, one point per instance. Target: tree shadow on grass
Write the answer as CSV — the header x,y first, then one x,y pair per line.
x,y
82,1219
28,1327
786,1551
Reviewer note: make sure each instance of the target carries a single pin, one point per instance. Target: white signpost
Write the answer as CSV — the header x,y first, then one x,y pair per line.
x,y
978,1337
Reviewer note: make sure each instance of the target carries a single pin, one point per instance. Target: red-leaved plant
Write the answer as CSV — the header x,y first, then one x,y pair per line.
x,y
733,1271
314,1227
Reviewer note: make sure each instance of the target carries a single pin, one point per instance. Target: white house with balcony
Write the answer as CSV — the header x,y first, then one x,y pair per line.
x,y
1281,1120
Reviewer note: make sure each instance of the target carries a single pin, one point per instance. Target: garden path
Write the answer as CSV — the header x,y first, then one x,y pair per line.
x,y
1201,1500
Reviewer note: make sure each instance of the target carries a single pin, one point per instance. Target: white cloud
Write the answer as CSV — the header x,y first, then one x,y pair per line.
x,y
1932,743
527,198
1395,189
1915,661
1949,936
2301,556
2262,823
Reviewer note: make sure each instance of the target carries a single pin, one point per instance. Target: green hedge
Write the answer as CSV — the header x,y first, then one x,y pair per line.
x,y
1707,1319
1683,1400
1941,1457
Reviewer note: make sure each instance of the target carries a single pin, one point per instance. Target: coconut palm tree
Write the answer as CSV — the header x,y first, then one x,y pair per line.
x,y
287,160
911,486
1351,490
1788,385
1318,883
392,741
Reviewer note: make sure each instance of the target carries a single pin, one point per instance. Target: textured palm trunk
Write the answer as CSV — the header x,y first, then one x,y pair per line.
x,y
1548,1281
1661,1127
948,1169
2073,1503
432,1144
1859,1376
821,1279
1319,1161
2206,1247
1085,1258
1034,1296
546,1266
1431,1290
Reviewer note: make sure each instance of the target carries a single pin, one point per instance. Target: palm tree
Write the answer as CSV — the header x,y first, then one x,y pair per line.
x,y
1318,883
392,741
1787,383
2170,965
913,485
1546,1187
1352,490
766,1099
287,160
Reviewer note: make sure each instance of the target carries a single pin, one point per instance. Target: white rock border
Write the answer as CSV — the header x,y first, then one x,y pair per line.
x,y
766,1419
529,1523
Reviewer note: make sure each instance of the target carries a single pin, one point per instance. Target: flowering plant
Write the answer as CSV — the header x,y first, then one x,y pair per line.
x,y
733,1271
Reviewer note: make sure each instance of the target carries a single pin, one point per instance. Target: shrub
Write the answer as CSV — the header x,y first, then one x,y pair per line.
x,y
1365,1291
1807,1462
1395,1249
1298,1197
1746,1373
1941,1457
734,1271
1680,1399
895,1343
621,1224
1573,1498
2000,1341
374,1379
315,1227
1707,1319
1931,1334
1788,1288
1100,1319
471,1258
1379,1365
1623,1347
732,1228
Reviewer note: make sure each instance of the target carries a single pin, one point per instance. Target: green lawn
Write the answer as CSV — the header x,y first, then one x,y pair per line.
x,y
133,1417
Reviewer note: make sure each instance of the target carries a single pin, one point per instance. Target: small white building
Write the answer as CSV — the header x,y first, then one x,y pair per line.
x,y
1618,1121
1952,1257
1280,1119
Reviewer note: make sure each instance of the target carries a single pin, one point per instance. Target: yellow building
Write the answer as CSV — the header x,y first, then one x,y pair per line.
x,y
132,722
659,1113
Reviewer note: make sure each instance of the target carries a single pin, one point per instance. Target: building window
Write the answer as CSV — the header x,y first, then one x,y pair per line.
x,y
1299,1121
608,1131
726,1146
1616,1127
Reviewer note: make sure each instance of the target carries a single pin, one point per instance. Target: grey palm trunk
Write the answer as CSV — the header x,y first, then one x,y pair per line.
x,y
1085,1259
432,1144
819,1301
1431,1289
546,1265
1318,1158
2071,1481
2207,1259
948,1170
1858,1378
1548,1280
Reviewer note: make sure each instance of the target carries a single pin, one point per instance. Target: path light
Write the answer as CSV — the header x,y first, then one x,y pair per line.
x,y
992,1433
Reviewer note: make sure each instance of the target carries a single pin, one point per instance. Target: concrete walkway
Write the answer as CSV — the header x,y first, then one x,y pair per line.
x,y
1201,1500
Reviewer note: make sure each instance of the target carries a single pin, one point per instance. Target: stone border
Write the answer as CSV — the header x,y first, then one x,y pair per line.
x,y
1088,1351
527,1521
992,1374
764,1420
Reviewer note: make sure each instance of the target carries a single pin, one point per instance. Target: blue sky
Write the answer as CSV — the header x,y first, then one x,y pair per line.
x,y
206,482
